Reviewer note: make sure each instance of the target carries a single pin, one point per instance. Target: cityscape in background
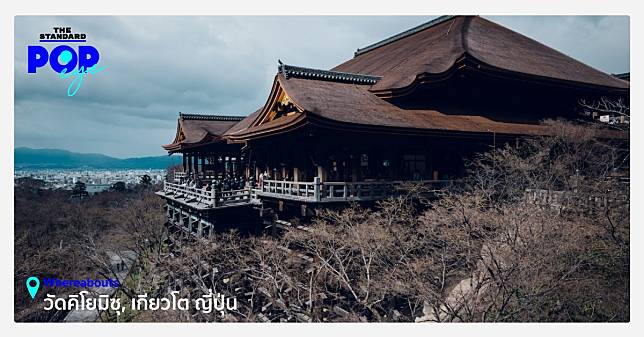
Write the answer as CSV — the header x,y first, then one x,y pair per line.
x,y
95,180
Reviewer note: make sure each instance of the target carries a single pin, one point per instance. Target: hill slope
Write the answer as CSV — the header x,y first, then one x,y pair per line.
x,y
25,157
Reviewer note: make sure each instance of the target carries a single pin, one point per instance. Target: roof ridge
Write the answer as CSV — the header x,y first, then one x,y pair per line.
x,y
210,117
465,29
406,33
326,75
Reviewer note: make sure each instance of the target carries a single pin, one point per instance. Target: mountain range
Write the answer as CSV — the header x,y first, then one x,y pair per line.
x,y
25,157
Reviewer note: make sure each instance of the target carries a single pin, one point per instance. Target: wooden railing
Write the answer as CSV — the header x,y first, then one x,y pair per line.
x,y
318,191
315,191
232,197
340,191
559,199
179,175
211,198
295,190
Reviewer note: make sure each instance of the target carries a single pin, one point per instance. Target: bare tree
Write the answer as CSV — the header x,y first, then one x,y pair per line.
x,y
488,251
611,107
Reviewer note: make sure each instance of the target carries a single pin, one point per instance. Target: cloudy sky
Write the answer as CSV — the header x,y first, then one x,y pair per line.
x,y
158,66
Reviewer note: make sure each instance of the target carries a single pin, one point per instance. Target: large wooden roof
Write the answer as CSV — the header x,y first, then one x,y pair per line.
x,y
334,100
196,130
354,95
344,105
433,49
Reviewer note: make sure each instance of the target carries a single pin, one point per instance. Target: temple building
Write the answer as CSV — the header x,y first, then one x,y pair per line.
x,y
412,107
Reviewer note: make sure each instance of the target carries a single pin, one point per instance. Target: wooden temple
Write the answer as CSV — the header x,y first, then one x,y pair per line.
x,y
412,107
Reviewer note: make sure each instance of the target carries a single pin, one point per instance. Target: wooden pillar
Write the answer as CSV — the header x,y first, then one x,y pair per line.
x,y
189,218
204,160
195,163
183,158
220,166
238,164
202,163
215,196
296,174
257,172
355,167
189,164
317,188
321,173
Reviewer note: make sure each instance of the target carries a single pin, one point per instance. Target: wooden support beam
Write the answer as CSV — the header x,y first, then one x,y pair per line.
x,y
199,228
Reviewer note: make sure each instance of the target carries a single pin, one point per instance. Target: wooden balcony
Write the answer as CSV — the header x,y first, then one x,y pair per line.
x,y
318,191
202,198
309,192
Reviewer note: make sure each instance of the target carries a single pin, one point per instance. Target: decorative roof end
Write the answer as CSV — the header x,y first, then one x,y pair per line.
x,y
210,117
326,75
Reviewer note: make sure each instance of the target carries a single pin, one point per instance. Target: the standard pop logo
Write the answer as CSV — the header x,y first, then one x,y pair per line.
x,y
64,59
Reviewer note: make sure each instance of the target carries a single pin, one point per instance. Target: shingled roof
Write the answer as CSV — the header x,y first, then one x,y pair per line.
x,y
440,45
197,129
346,105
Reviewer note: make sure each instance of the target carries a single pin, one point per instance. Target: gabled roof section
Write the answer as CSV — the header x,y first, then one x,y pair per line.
x,y
441,45
281,109
196,130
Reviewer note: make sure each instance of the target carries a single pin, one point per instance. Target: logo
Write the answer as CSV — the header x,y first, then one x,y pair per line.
x,y
64,59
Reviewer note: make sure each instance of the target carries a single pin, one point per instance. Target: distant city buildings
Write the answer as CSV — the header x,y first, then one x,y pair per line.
x,y
95,180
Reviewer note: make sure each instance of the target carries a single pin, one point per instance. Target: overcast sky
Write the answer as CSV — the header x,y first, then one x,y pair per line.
x,y
158,66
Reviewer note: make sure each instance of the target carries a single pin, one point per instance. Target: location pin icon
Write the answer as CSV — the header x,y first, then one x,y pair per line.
x,y
33,283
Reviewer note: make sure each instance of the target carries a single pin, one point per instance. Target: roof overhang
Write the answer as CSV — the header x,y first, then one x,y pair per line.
x,y
469,63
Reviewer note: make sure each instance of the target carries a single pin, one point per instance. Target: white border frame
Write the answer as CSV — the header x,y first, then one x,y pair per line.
x,y
292,7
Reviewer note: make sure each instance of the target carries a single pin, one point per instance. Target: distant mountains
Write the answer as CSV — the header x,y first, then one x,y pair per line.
x,y
25,157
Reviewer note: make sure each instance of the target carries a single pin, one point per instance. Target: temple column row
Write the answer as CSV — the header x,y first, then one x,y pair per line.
x,y
227,165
